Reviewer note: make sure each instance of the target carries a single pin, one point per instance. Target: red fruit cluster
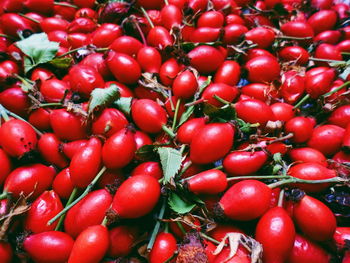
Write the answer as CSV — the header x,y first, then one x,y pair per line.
x,y
156,130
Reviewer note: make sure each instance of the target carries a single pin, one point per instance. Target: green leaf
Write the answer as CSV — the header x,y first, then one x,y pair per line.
x,y
61,63
170,159
38,48
103,97
124,104
178,205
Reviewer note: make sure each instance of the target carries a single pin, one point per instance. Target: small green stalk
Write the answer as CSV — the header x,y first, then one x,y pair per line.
x,y
3,113
29,18
70,52
280,198
70,200
156,227
176,113
294,180
336,90
168,131
66,5
4,195
301,102
257,177
147,17
205,236
223,101
293,38
327,60
87,190
53,104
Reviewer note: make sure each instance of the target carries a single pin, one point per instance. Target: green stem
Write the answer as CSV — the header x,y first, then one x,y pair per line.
x,y
184,169
293,38
305,98
220,167
294,180
209,238
327,60
70,200
87,190
8,37
102,49
221,100
166,2
50,104
4,113
190,104
280,198
257,177
176,113
70,52
29,18
4,195
336,90
168,131
105,221
157,226
345,53
66,5
147,17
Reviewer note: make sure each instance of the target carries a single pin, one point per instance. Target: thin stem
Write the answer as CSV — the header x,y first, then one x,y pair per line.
x,y
29,18
157,226
66,5
166,2
102,49
176,113
327,60
280,198
221,100
336,90
220,167
105,221
4,113
293,38
87,190
345,53
168,131
209,238
70,200
305,98
50,104
257,177
147,17
294,180
4,195
144,42
70,52
194,102
184,169
7,36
